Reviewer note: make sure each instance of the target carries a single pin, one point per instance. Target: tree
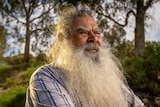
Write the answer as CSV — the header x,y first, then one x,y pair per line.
x,y
2,41
30,18
114,10
113,34
138,8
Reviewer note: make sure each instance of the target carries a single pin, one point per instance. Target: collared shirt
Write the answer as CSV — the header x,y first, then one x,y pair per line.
x,y
47,89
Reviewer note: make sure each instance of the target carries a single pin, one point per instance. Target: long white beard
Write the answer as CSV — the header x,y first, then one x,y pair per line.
x,y
98,83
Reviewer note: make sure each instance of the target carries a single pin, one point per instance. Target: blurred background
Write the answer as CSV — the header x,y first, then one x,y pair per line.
x,y
130,27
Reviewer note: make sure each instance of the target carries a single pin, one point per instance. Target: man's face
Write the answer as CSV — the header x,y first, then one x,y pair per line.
x,y
85,30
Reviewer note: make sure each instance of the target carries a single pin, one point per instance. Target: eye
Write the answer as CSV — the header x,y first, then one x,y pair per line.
x,y
83,32
97,31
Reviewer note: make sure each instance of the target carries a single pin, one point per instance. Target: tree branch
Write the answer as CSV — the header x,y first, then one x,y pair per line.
x,y
37,29
32,6
126,19
50,8
23,3
17,19
148,4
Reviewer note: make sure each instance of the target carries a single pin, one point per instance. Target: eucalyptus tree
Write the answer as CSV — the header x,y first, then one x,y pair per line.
x,y
119,12
27,20
2,41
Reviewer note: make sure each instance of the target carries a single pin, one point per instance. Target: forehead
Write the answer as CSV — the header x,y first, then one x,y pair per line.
x,y
86,21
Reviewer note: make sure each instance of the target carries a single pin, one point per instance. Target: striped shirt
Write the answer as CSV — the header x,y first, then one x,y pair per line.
x,y
47,89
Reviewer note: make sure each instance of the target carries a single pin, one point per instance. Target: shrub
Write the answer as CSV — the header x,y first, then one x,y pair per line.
x,y
5,71
18,59
10,82
13,98
41,57
143,70
25,76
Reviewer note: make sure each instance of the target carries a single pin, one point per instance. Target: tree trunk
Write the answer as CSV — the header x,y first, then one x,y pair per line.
x,y
139,29
27,42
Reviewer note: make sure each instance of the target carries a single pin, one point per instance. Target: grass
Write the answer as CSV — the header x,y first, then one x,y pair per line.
x,y
16,86
13,98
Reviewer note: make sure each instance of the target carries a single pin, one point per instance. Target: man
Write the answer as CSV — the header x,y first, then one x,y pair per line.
x,y
82,72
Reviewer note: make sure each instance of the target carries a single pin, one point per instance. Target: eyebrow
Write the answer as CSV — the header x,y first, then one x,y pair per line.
x,y
86,29
97,29
82,28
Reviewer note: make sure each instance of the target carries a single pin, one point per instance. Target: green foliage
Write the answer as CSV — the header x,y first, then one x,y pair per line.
x,y
152,55
41,57
22,78
143,70
126,48
18,59
137,77
5,71
13,98
10,82
17,86
25,76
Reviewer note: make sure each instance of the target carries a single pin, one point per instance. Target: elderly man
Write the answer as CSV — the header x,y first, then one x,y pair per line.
x,y
82,72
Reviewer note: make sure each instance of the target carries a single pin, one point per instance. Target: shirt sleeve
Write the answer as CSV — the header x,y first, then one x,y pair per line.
x,y
46,90
133,100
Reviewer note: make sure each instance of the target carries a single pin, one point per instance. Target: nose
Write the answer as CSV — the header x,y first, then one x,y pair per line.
x,y
92,37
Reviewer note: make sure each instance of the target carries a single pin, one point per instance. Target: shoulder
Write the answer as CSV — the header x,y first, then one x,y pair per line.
x,y
46,72
133,100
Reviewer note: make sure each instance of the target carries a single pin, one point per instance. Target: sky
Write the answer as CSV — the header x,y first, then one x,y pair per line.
x,y
152,32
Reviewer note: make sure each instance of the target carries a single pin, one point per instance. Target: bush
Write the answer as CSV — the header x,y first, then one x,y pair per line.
x,y
25,76
41,57
136,74
13,98
143,70
22,78
10,82
16,59
11,70
5,71
17,101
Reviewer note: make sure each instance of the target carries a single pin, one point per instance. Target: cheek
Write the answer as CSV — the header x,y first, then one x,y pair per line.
x,y
100,42
78,41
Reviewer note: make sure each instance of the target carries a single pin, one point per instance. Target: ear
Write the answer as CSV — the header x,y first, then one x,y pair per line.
x,y
60,37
